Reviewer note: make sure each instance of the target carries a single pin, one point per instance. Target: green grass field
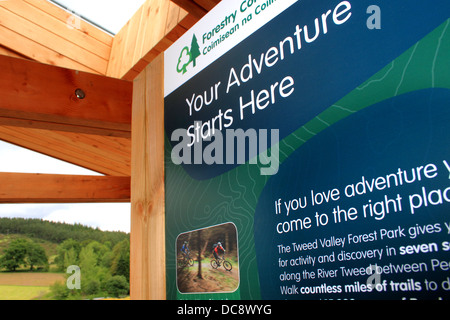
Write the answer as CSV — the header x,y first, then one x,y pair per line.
x,y
27,285
23,292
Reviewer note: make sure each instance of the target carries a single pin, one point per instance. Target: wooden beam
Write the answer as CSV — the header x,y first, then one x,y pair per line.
x,y
148,33
7,52
106,155
191,7
54,188
42,31
42,96
147,264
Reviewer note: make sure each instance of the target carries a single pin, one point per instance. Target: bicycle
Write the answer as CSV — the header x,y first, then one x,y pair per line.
x,y
186,260
216,263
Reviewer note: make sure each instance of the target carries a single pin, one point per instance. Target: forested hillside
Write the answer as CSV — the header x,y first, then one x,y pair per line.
x,y
58,232
101,257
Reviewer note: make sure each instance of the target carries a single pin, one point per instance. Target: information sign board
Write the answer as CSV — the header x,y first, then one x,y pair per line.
x,y
310,138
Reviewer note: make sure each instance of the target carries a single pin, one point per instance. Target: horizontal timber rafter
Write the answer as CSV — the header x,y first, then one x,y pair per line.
x,y
106,155
55,188
42,96
190,6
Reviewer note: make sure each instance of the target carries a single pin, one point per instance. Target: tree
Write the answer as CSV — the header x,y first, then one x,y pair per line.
x,y
121,259
14,256
195,50
68,253
23,252
93,272
88,259
36,256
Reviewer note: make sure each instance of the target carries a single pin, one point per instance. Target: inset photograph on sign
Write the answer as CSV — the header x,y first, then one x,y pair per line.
x,y
208,260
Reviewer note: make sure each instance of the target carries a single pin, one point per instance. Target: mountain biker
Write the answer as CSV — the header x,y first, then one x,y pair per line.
x,y
218,249
185,249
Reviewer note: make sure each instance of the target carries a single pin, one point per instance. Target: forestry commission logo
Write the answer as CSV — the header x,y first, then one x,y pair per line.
x,y
188,56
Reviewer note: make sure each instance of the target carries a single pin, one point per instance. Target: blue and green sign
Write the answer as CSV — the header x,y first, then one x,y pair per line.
x,y
315,146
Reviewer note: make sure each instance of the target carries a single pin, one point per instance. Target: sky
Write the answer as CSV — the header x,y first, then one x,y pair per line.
x,y
110,14
105,216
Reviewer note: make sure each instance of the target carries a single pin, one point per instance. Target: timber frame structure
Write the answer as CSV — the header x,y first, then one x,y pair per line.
x,y
78,94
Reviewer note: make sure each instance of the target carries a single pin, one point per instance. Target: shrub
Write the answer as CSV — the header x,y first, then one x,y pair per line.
x,y
92,287
116,286
60,291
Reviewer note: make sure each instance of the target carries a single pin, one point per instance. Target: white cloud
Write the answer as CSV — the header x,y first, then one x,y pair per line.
x,y
33,211
110,14
107,217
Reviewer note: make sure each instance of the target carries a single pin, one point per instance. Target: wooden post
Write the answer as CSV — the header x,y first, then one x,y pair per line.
x,y
147,262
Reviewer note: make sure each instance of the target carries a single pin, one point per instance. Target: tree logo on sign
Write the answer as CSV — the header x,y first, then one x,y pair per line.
x,y
188,56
